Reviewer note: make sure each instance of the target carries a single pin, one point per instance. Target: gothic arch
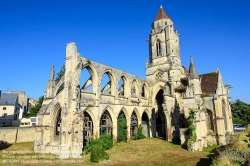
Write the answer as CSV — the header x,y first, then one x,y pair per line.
x,y
160,117
92,71
56,120
156,88
125,87
209,120
134,122
88,110
111,78
135,88
146,123
137,113
144,90
123,109
121,126
88,128
158,47
106,123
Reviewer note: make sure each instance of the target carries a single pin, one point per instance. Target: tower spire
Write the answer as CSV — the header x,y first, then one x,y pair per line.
x,y
161,14
192,71
52,73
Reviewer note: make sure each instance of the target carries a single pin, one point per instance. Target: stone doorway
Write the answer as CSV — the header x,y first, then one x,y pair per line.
x,y
145,124
160,117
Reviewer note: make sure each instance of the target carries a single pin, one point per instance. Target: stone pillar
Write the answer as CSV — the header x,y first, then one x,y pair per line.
x,y
169,131
219,122
128,129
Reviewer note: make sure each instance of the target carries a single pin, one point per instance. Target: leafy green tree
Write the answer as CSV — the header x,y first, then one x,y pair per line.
x,y
35,109
241,112
60,74
122,128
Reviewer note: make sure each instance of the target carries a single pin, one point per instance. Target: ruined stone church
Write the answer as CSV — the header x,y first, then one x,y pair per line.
x,y
74,112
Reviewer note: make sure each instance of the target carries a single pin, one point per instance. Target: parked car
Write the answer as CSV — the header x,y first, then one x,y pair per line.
x,y
239,128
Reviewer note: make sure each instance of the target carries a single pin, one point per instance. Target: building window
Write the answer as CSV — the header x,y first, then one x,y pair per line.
x,y
209,120
4,108
158,48
4,115
15,118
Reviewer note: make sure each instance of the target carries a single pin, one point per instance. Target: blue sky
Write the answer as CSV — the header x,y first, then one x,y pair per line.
x,y
33,35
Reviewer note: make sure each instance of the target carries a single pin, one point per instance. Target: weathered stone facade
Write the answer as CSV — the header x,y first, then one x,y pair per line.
x,y
160,103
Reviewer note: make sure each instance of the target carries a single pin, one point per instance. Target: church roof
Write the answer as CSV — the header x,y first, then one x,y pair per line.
x,y
161,14
209,82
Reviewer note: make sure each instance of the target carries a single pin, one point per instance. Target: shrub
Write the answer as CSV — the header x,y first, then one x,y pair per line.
x,y
104,141
248,130
139,134
232,156
191,129
98,153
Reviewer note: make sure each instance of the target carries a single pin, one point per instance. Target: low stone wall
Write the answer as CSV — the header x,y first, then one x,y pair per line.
x,y
17,134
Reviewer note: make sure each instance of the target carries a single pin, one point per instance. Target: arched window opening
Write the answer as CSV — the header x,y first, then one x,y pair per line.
x,y
58,124
87,128
133,89
158,48
105,84
224,113
143,91
86,80
145,124
183,121
209,120
121,87
133,125
106,124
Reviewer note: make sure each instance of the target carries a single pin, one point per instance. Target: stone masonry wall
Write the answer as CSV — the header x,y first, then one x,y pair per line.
x,y
17,134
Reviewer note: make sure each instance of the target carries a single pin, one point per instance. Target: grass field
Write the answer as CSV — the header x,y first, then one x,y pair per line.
x,y
149,151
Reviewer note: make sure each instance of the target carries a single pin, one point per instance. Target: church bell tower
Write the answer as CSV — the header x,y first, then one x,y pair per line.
x,y
164,50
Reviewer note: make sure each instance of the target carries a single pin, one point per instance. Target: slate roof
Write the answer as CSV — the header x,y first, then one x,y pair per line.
x,y
209,82
161,14
185,70
8,98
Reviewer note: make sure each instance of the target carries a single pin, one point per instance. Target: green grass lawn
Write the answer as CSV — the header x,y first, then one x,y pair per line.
x,y
149,151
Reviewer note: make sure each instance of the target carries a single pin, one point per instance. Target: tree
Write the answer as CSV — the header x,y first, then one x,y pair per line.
x,y
35,109
122,127
60,74
241,112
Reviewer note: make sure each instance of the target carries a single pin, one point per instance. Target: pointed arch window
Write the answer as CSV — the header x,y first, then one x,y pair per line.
x,y
106,124
133,124
58,123
158,48
209,120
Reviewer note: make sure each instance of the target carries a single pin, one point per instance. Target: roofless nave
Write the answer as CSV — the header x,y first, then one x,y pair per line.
x,y
160,103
